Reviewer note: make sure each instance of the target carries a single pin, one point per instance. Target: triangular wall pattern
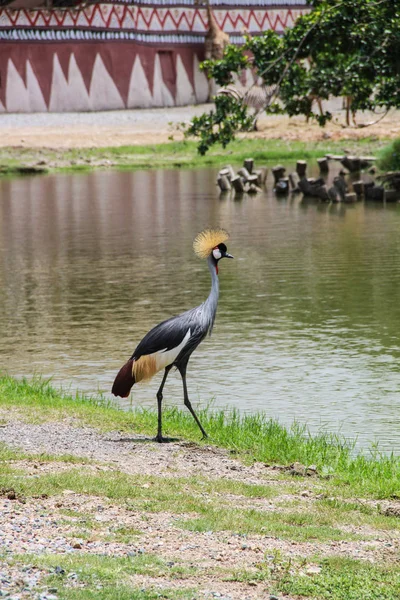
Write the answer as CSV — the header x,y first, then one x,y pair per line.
x,y
17,97
139,94
35,95
184,90
104,94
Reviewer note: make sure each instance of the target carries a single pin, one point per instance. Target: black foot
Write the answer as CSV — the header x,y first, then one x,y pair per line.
x,y
165,440
205,436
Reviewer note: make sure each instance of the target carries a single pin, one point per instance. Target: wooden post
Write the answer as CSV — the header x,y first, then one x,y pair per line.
x,y
341,186
243,172
224,183
294,182
391,195
301,168
323,165
248,164
282,186
333,194
237,184
350,197
351,163
278,172
358,187
376,193
226,173
253,179
261,175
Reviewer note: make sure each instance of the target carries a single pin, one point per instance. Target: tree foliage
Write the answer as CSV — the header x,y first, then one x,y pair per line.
x,y
348,48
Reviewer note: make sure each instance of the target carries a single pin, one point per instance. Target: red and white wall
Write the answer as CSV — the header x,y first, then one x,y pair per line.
x,y
115,56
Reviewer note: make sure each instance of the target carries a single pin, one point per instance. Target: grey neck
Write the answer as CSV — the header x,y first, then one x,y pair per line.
x,y
212,300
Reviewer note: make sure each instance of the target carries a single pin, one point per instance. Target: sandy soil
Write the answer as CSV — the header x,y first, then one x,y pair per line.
x,y
130,127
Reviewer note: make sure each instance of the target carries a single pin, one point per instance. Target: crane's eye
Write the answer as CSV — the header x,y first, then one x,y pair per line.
x,y
217,253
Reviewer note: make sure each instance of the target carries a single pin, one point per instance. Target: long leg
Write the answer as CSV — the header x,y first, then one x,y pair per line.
x,y
159,437
182,370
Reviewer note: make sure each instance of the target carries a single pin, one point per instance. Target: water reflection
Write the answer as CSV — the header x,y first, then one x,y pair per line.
x,y
308,322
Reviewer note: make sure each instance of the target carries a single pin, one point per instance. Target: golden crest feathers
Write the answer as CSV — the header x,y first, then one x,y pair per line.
x,y
207,240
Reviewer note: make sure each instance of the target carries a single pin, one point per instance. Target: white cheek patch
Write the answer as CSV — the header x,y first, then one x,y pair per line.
x,y
217,253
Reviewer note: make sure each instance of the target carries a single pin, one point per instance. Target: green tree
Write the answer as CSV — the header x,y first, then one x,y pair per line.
x,y
348,48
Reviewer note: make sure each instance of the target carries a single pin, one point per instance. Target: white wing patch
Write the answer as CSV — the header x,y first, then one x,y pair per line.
x,y
167,357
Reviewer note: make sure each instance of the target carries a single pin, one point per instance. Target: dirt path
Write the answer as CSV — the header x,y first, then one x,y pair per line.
x,y
74,524
133,127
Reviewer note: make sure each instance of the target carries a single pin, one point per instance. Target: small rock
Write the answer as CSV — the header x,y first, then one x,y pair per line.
x,y
297,469
313,570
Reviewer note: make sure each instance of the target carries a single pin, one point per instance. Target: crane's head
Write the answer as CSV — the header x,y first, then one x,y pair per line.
x,y
210,243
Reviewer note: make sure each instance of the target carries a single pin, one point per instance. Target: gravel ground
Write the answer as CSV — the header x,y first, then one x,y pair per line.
x,y
57,525
158,125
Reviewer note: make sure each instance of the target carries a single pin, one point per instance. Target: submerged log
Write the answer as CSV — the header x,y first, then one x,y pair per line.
x,y
314,187
253,189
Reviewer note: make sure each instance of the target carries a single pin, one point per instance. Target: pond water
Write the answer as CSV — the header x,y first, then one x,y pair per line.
x,y
308,324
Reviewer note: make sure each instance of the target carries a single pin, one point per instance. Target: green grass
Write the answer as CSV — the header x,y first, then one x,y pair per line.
x,y
251,437
345,579
109,577
333,578
198,510
389,156
181,154
288,526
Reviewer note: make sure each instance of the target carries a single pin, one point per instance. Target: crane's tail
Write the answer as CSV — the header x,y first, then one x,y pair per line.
x,y
124,380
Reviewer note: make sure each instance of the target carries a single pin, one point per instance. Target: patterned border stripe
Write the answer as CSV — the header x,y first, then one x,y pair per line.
x,y
231,3
150,19
10,35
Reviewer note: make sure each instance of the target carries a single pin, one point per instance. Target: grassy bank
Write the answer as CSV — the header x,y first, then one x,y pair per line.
x,y
175,154
108,532
250,437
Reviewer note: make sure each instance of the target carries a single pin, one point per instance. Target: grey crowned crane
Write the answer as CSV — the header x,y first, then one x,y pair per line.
x,y
171,343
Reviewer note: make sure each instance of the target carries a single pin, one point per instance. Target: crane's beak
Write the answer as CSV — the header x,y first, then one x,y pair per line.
x,y
227,255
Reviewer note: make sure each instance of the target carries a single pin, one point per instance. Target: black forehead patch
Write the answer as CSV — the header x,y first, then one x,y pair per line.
x,y
222,247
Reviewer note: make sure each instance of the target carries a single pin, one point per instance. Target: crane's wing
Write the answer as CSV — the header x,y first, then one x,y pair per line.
x,y
160,347
166,336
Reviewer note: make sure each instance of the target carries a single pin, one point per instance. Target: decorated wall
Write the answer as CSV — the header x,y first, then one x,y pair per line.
x,y
114,56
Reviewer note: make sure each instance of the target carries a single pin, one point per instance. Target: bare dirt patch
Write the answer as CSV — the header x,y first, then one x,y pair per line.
x,y
137,127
